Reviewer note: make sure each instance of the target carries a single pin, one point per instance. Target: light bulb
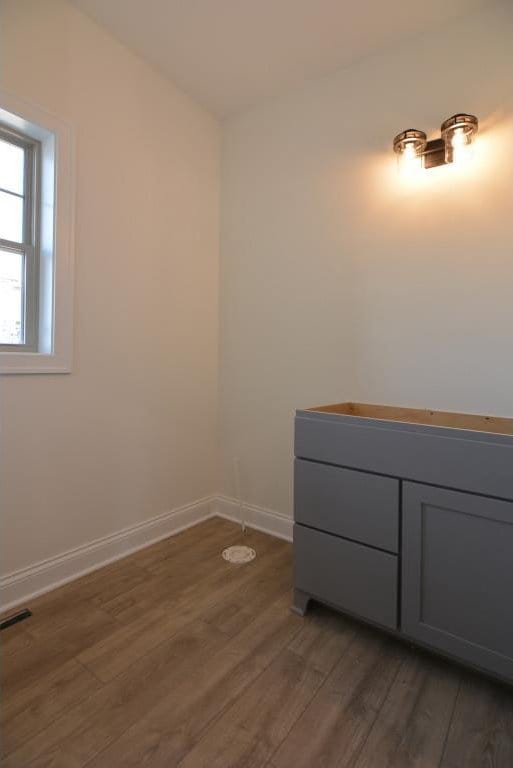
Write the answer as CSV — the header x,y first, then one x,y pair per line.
x,y
458,133
409,147
459,145
409,159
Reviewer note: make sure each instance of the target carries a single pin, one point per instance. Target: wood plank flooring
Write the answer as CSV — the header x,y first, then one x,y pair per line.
x,y
173,657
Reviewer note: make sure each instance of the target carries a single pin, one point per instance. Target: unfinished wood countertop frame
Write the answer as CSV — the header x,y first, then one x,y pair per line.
x,y
473,422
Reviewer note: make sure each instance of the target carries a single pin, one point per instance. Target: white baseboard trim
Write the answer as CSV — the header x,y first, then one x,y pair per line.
x,y
266,520
27,583
22,585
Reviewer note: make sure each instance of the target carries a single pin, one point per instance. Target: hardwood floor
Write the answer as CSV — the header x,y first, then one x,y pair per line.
x,y
173,657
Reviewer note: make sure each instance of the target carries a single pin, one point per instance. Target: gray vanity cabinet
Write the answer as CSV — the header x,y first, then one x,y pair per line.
x,y
457,574
404,518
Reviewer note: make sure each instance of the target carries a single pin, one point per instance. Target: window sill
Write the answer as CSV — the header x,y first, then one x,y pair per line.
x,y
33,362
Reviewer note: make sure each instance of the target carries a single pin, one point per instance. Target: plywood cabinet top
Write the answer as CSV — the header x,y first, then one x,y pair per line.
x,y
473,422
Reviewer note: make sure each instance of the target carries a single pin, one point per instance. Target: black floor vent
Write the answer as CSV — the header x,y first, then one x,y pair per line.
x,y
14,618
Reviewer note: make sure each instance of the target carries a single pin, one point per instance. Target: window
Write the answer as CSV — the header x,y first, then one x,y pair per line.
x,y
36,239
19,241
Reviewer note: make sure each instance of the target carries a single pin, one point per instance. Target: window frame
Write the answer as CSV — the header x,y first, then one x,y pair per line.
x,y
56,209
28,247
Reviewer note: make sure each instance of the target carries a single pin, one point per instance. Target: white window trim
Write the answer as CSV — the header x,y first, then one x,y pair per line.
x,y
55,350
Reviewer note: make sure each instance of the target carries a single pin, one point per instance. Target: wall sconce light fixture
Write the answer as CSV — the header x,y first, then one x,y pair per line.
x,y
415,151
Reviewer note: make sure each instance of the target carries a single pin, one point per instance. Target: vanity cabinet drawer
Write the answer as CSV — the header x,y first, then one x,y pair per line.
x,y
358,505
350,576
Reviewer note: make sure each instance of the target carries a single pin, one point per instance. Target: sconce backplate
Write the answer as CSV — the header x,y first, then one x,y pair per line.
x,y
434,154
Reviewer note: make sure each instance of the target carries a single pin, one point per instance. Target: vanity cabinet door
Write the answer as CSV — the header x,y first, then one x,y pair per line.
x,y
457,575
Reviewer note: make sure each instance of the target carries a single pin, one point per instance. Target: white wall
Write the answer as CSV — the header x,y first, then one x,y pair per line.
x,y
131,433
337,281
340,282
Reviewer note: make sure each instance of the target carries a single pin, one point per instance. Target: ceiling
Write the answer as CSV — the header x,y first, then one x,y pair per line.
x,y
231,54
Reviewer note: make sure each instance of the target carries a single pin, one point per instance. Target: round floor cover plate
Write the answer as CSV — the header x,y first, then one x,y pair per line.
x,y
239,554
